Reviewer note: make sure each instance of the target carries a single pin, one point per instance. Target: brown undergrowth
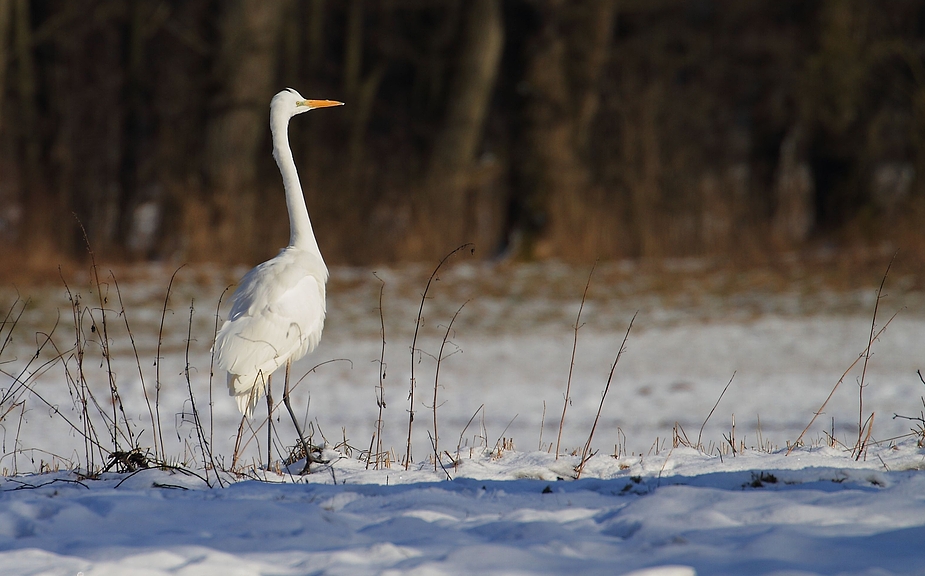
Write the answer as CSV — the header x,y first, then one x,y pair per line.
x,y
100,325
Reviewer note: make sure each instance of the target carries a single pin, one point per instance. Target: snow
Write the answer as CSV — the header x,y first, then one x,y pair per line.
x,y
703,516
500,502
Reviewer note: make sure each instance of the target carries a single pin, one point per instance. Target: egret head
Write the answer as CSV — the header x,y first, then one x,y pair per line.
x,y
291,103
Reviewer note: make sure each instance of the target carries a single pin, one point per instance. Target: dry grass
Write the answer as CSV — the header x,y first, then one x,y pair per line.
x,y
113,442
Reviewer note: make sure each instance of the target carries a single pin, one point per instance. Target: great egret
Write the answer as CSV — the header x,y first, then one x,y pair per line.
x,y
277,311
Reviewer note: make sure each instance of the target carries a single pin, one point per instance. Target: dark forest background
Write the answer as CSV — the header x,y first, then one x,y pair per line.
x,y
574,129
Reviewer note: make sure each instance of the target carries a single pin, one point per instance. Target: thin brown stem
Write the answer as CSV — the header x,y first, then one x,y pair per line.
x,y
157,368
414,340
466,427
204,448
380,400
861,448
103,334
571,367
707,419
861,383
157,452
821,409
212,367
542,424
587,448
446,337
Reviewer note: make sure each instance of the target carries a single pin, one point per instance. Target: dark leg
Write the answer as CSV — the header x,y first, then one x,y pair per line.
x,y
269,423
237,443
309,459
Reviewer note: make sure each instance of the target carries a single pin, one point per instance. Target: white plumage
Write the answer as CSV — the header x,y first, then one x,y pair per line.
x,y
278,310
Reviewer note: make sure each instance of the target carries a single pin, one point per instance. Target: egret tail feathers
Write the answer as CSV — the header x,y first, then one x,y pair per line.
x,y
247,391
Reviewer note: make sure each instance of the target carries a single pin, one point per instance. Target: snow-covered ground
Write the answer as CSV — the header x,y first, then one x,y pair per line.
x,y
646,503
814,512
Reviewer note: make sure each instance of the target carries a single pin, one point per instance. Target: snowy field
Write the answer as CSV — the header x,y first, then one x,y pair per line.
x,y
668,490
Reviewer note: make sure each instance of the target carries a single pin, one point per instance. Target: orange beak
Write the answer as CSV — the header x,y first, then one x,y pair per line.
x,y
321,103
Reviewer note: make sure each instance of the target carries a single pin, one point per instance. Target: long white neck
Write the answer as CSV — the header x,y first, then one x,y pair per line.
x,y
301,234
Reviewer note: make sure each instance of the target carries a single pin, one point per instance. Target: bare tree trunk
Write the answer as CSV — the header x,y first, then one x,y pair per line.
x,y
457,144
364,99
560,178
918,118
38,233
5,11
794,192
316,38
10,208
315,35
569,54
26,82
353,56
131,126
643,155
715,215
245,68
591,42
360,93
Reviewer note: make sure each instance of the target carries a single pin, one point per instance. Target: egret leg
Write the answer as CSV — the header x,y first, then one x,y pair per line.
x,y
269,423
309,459
237,443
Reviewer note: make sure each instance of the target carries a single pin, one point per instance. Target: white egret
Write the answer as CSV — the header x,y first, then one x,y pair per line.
x,y
278,309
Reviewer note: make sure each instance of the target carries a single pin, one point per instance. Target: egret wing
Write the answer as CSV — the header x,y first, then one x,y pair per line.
x,y
278,314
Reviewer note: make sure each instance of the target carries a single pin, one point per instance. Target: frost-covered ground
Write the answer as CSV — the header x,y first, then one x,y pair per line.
x,y
814,512
643,504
